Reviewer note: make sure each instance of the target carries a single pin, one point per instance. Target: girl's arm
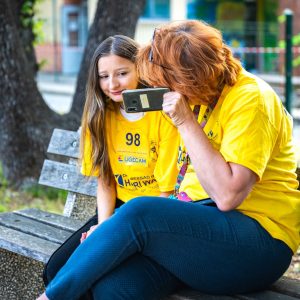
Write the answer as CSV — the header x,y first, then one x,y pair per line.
x,y
106,199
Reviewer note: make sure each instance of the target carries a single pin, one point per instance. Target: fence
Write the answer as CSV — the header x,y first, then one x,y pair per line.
x,y
264,59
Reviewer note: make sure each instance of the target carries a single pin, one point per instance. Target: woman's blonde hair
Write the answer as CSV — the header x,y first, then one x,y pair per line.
x,y
96,104
189,57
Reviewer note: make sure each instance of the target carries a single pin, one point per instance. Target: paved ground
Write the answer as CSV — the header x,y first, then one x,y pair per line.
x,y
57,91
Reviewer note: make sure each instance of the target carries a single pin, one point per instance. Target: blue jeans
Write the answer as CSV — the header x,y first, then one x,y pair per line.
x,y
152,246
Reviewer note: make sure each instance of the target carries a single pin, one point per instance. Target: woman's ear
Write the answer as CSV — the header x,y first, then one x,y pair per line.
x,y
142,85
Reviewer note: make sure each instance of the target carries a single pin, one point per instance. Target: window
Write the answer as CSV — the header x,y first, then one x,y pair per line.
x,y
157,9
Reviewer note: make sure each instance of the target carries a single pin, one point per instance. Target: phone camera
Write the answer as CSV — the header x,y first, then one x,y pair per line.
x,y
131,109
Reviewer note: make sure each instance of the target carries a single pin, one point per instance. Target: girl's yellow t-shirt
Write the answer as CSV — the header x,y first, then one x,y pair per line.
x,y
250,127
142,153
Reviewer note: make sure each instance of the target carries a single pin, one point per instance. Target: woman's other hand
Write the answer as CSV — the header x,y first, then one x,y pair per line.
x,y
177,108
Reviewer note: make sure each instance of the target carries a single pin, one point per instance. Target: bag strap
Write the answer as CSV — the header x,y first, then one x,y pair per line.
x,y
186,161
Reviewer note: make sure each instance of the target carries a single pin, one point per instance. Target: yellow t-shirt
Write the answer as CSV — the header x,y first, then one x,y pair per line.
x,y
250,127
143,154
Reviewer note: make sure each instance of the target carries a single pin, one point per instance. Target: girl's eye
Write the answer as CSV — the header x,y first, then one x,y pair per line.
x,y
103,76
123,73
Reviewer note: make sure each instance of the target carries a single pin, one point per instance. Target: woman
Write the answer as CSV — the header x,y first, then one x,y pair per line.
x,y
236,150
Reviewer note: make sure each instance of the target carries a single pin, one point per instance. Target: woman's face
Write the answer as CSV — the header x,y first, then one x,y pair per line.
x,y
116,74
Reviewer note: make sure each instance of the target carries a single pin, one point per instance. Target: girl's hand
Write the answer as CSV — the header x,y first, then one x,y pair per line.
x,y
86,234
42,297
177,108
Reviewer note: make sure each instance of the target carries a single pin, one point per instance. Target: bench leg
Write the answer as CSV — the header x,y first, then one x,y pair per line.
x,y
20,277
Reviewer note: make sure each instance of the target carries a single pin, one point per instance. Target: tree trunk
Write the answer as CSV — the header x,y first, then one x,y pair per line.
x,y
111,17
24,24
26,122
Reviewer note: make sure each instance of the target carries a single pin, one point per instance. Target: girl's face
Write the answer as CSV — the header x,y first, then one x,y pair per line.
x,y
116,74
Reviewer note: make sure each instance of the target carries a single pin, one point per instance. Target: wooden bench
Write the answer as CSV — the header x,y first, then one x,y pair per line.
x,y
28,237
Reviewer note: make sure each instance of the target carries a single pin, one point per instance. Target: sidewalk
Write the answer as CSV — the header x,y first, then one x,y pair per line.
x,y
57,84
57,91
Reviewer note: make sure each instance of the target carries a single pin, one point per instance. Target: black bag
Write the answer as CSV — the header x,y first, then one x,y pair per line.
x,y
62,254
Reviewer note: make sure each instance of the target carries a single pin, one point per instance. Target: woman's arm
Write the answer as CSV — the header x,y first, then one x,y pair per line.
x,y
228,184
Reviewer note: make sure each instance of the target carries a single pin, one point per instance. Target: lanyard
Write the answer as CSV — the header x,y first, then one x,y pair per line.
x,y
202,124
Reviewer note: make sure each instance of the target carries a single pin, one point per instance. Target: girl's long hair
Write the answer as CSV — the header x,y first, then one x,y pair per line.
x,y
189,57
96,104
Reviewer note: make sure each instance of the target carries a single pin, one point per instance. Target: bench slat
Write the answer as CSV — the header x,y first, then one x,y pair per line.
x,y
287,286
67,177
26,245
266,295
53,219
195,295
64,142
33,227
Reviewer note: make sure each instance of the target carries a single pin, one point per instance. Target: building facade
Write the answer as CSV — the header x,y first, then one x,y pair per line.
x,y
253,28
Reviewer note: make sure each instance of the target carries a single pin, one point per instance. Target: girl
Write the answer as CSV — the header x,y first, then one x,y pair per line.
x,y
132,154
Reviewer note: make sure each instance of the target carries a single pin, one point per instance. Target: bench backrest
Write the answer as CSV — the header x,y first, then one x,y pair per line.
x,y
64,173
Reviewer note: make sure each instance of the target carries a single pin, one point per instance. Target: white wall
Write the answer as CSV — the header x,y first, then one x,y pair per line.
x,y
145,27
49,12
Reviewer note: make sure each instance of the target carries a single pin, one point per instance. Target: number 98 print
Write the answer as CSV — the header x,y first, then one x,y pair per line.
x,y
133,139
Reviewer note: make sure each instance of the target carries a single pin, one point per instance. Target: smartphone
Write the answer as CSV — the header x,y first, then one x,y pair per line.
x,y
141,100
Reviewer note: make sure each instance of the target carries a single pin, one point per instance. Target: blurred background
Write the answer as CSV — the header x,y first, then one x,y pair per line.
x,y
255,29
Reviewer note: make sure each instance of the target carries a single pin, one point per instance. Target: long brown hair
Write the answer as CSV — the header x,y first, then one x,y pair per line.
x,y
189,57
96,104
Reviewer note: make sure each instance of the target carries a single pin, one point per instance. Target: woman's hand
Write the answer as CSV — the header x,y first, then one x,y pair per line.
x,y
177,108
86,234
228,184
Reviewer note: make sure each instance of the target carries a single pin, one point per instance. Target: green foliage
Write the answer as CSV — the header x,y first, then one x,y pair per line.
x,y
37,196
29,21
296,62
295,42
270,9
38,191
38,31
48,199
42,63
281,19
3,181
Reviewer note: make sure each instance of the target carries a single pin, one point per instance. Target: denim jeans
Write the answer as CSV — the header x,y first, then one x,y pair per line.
x,y
151,246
